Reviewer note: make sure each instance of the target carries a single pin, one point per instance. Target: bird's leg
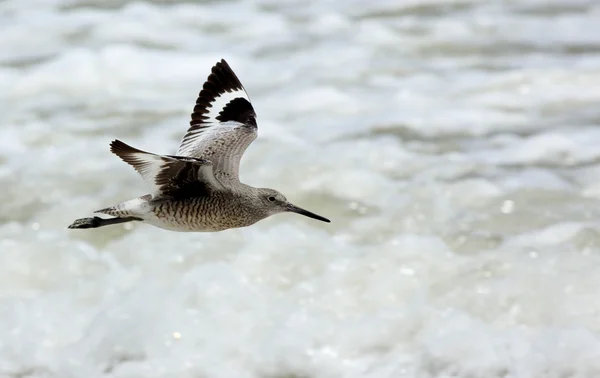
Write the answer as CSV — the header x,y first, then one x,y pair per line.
x,y
96,222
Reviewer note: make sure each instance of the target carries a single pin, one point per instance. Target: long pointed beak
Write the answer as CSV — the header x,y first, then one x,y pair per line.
x,y
296,209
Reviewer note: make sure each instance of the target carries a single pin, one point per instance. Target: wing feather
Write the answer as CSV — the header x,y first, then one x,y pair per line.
x,y
169,176
223,123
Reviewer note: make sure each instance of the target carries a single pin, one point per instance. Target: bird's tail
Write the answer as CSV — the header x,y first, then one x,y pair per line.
x,y
135,207
128,211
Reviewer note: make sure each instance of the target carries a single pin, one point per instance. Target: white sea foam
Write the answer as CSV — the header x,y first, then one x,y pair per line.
x,y
454,145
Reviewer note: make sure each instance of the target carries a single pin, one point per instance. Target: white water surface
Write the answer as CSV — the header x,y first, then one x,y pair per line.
x,y
455,144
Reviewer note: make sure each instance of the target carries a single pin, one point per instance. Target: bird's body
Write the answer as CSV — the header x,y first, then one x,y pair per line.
x,y
198,189
216,211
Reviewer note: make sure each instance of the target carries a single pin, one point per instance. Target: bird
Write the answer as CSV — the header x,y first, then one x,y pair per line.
x,y
198,189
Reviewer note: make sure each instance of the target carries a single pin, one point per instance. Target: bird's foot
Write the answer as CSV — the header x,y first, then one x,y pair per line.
x,y
86,223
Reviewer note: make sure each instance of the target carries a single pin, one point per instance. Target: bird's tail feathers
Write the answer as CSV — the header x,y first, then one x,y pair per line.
x,y
131,208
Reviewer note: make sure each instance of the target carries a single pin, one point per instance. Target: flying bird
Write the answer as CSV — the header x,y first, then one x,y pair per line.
x,y
198,189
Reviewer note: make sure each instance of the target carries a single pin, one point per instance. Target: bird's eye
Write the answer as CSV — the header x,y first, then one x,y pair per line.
x,y
272,199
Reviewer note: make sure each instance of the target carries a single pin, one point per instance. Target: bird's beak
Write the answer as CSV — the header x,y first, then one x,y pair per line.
x,y
296,209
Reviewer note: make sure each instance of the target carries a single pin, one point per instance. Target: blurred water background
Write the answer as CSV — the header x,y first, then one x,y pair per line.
x,y
454,144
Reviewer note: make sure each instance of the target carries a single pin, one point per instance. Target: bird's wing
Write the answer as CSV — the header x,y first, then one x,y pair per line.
x,y
223,123
169,176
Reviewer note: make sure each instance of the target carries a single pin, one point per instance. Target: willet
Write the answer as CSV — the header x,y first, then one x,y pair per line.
x,y
198,189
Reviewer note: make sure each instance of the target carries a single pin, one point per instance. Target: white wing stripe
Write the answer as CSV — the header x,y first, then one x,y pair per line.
x,y
220,102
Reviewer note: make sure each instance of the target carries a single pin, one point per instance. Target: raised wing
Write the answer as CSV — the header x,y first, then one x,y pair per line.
x,y
223,123
169,176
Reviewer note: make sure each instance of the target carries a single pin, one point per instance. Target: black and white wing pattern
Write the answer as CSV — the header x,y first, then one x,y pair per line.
x,y
223,123
169,176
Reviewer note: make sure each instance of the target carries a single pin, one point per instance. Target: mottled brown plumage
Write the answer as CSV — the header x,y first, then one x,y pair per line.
x,y
198,189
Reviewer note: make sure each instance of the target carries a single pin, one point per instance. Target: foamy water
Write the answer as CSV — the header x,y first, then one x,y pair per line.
x,y
454,144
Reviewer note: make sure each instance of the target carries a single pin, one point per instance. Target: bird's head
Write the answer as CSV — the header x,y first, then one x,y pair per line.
x,y
276,203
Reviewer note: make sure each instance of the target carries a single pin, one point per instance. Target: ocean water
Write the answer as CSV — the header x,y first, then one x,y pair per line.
x,y
455,144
